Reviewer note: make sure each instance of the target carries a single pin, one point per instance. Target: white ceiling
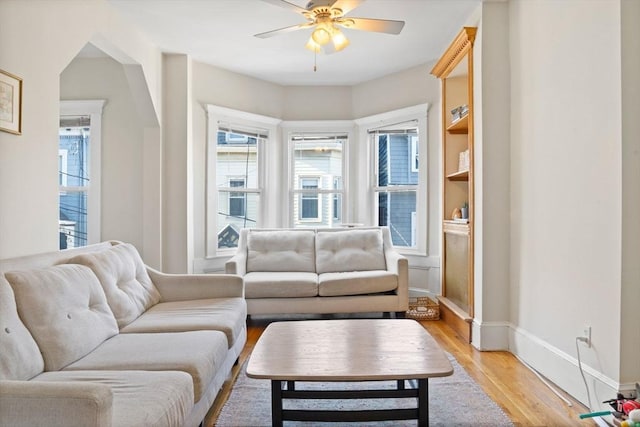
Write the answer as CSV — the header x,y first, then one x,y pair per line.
x,y
221,33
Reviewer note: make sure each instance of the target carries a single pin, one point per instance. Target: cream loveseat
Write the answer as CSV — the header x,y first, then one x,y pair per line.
x,y
93,337
322,270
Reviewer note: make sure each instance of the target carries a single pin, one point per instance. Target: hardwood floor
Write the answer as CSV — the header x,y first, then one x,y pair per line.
x,y
520,393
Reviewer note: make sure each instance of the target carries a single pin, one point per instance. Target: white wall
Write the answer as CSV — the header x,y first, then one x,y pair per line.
x,y
566,219
122,150
630,314
492,184
317,103
36,45
177,165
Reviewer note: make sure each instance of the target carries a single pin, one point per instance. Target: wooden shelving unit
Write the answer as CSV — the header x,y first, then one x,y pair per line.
x,y
455,71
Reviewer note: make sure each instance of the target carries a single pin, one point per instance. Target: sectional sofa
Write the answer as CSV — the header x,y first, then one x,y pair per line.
x,y
323,270
93,337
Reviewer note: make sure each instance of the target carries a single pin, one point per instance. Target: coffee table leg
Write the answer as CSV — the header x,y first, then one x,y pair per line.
x,y
423,402
276,403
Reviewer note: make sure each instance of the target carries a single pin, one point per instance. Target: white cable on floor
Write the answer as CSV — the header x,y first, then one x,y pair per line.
x,y
578,339
557,393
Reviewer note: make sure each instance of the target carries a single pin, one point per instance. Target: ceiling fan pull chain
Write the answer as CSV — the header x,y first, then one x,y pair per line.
x,y
315,61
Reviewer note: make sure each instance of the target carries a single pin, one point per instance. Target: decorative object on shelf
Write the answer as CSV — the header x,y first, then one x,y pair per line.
x,y
464,210
456,214
463,160
423,308
10,103
459,112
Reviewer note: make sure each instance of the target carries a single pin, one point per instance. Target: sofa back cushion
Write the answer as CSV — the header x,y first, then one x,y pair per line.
x,y
124,278
65,309
281,250
20,357
349,250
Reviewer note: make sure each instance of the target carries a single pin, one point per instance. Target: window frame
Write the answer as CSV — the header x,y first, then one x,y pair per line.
x,y
92,108
366,201
216,116
319,127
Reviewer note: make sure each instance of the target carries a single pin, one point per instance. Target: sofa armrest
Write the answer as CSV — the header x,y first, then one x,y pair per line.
x,y
399,265
237,264
185,287
69,404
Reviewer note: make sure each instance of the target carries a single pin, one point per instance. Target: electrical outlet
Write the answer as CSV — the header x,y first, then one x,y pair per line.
x,y
586,334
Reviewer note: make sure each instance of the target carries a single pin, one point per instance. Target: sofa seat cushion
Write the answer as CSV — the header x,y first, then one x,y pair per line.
x,y
293,250
280,285
349,250
125,280
228,315
198,353
140,398
356,283
65,309
20,357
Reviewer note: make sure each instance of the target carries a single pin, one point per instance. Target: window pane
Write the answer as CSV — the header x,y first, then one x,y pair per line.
x,y
73,174
237,156
230,222
396,210
318,156
236,200
397,159
72,222
317,210
309,206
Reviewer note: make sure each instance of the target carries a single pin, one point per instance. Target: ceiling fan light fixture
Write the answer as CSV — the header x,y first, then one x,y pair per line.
x,y
313,46
321,35
339,40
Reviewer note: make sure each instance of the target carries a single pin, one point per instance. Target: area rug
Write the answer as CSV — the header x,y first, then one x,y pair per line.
x,y
456,400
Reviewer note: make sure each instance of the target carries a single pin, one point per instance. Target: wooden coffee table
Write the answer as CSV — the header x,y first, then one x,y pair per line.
x,y
348,350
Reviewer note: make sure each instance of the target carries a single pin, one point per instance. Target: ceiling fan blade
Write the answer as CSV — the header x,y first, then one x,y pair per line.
x,y
287,5
375,25
346,6
283,30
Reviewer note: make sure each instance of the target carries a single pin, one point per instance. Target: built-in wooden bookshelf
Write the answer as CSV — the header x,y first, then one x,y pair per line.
x,y
455,71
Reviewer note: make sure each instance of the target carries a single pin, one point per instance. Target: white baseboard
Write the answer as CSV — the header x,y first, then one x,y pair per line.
x,y
562,369
558,367
490,336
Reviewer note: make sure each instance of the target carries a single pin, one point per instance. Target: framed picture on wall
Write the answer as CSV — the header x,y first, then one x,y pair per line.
x,y
10,103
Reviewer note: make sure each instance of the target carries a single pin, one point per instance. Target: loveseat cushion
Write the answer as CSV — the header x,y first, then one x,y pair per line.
x,y
228,315
124,278
140,398
349,250
20,357
280,285
356,283
65,310
291,250
199,353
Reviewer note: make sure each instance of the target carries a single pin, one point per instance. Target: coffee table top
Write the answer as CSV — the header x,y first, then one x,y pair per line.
x,y
347,350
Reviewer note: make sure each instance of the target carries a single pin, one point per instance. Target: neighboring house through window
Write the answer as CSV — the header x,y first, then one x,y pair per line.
x,y
309,201
235,179
317,168
79,173
237,200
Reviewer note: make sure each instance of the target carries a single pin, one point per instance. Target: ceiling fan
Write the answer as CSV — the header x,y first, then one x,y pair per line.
x,y
327,16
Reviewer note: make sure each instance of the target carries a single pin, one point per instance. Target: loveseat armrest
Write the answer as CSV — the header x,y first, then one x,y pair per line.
x,y
237,264
186,287
398,264
61,404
